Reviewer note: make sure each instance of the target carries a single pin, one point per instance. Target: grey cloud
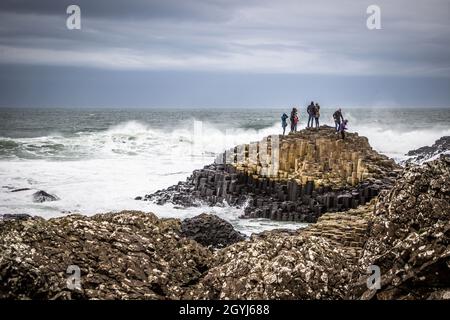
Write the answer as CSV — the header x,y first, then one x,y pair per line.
x,y
135,9
292,36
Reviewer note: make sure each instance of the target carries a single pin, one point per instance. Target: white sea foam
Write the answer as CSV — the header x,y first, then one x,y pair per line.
x,y
396,143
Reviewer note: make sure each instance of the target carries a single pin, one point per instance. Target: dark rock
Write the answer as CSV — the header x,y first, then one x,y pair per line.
x,y
410,236
407,234
133,255
138,198
14,216
210,230
276,265
418,156
126,255
238,184
203,186
42,196
21,189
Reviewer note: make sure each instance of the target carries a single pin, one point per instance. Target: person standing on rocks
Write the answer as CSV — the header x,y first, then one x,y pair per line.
x,y
342,128
294,120
284,118
337,115
310,111
317,114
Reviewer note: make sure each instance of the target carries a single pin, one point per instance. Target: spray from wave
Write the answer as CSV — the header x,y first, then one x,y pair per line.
x,y
395,143
132,138
195,138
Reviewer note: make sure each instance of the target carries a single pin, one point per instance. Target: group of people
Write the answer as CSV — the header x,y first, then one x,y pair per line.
x,y
340,124
293,120
313,111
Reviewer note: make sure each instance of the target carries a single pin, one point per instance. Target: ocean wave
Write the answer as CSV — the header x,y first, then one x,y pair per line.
x,y
6,144
194,138
395,142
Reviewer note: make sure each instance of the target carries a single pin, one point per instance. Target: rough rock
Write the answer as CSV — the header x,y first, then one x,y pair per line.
x,y
127,255
405,231
317,262
409,238
427,153
42,196
210,230
289,178
14,216
20,190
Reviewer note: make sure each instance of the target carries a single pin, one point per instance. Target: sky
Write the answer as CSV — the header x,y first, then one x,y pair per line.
x,y
224,53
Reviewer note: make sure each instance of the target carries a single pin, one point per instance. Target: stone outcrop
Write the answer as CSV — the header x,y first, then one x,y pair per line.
x,y
290,178
317,156
410,236
210,230
405,231
14,217
128,255
317,262
423,154
42,196
20,190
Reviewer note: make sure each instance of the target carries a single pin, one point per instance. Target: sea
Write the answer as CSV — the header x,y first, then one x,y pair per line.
x,y
97,160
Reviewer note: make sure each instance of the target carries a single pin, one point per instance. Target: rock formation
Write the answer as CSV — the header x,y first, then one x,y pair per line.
x,y
42,196
317,156
410,235
405,231
128,255
210,230
291,178
314,263
423,154
14,216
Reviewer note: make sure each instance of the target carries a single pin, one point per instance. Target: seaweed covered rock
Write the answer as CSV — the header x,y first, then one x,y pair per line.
x,y
127,255
133,255
410,236
317,262
210,230
14,216
277,266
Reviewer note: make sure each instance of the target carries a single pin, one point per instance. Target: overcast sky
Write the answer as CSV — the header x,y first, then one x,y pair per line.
x,y
207,53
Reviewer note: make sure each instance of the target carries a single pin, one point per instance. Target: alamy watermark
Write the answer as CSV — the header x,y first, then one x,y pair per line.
x,y
374,280
73,21
374,20
73,281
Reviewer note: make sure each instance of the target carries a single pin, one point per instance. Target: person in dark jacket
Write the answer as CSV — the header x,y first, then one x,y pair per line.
x,y
317,114
294,119
284,118
310,111
337,115
342,128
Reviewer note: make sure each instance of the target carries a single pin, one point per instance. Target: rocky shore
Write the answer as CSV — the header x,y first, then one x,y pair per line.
x,y
405,231
297,177
426,153
368,212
